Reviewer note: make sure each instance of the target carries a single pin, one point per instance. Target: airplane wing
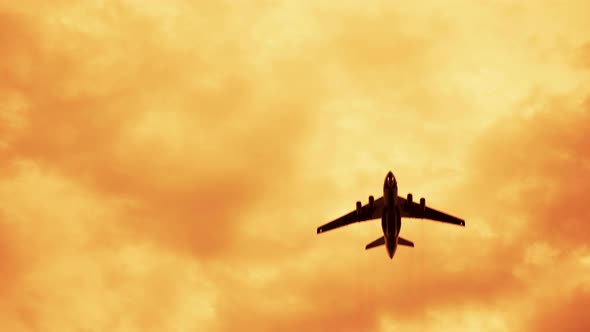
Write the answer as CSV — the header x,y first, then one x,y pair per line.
x,y
366,213
414,210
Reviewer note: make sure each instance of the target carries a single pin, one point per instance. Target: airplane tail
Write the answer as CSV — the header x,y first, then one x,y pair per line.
x,y
379,242
403,242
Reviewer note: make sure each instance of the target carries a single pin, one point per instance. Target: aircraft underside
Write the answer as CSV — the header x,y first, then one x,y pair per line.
x,y
390,208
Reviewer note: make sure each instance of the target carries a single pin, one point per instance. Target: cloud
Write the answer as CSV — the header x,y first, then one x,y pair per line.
x,y
143,132
362,298
70,250
567,315
537,165
509,196
168,165
11,260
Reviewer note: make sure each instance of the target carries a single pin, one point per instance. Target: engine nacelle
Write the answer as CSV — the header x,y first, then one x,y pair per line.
x,y
410,199
422,204
358,208
371,202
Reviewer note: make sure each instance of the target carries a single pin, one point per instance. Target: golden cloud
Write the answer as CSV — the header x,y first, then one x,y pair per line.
x,y
164,166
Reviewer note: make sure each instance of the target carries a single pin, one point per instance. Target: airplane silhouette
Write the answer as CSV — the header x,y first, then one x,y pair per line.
x,y
390,208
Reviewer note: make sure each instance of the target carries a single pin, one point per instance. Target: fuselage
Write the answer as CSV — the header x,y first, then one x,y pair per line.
x,y
391,217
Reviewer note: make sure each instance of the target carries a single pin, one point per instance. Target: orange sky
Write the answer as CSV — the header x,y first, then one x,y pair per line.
x,y
164,165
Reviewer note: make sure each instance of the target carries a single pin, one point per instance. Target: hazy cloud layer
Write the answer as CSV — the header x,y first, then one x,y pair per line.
x,y
164,167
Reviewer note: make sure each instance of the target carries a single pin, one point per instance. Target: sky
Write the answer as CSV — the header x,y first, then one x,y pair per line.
x,y
164,165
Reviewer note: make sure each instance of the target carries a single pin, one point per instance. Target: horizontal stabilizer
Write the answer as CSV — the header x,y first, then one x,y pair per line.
x,y
379,242
403,242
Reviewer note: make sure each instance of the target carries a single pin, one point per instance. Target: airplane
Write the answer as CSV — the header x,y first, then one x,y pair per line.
x,y
390,208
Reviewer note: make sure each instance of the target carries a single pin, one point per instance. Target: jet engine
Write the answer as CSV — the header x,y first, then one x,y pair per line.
x,y
358,208
371,202
422,204
409,199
